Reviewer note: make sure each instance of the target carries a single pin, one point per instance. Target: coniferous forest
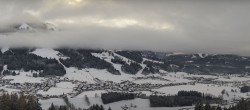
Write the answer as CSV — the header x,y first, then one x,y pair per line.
x,y
241,105
64,107
21,59
18,102
245,89
183,98
116,96
24,102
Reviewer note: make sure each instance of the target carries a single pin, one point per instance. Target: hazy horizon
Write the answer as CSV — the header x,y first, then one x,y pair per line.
x,y
194,26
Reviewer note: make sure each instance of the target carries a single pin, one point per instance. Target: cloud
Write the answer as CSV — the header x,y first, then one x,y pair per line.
x,y
220,26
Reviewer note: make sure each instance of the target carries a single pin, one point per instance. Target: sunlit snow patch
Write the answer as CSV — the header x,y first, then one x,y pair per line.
x,y
48,53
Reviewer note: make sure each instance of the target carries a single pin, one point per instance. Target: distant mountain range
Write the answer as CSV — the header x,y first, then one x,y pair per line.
x,y
29,27
119,62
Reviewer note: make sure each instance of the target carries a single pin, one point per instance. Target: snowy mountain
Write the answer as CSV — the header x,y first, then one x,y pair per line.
x,y
25,27
38,27
51,26
29,27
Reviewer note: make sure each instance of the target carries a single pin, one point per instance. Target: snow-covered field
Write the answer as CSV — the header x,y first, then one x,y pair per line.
x,y
141,104
48,53
47,103
60,89
214,90
9,90
89,74
96,93
24,77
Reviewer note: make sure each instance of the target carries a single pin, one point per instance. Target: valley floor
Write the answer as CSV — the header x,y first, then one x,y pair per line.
x,y
51,90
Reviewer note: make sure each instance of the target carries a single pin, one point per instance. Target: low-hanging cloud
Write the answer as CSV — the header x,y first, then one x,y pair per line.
x,y
220,26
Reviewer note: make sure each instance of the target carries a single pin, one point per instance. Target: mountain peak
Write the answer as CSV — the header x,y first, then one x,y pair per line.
x,y
25,27
50,26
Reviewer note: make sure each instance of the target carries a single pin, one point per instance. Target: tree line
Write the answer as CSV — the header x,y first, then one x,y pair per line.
x,y
116,96
131,68
241,105
19,102
21,59
245,89
183,98
27,102
64,107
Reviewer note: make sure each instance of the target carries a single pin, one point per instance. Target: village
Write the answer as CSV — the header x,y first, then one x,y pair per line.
x,y
108,86
81,86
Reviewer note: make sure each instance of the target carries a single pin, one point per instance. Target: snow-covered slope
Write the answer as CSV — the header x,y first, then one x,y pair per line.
x,y
24,77
90,74
4,49
107,56
48,53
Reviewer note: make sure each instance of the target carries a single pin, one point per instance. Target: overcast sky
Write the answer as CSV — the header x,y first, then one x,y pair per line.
x,y
192,26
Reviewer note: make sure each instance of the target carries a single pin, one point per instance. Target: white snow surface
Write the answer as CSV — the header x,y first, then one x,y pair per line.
x,y
60,89
46,53
4,68
214,90
10,90
155,61
45,104
89,74
25,26
3,50
91,93
24,77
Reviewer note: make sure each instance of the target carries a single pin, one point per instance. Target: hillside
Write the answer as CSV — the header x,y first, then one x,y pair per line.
x,y
54,61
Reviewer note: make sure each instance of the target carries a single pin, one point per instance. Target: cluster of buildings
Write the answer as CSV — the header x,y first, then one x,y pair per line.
x,y
151,77
124,86
82,86
217,81
109,86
